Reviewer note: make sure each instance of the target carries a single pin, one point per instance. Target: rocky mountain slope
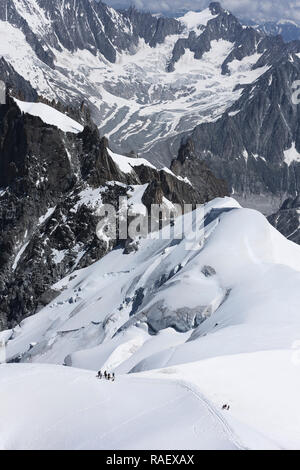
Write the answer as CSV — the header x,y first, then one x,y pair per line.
x,y
255,144
287,219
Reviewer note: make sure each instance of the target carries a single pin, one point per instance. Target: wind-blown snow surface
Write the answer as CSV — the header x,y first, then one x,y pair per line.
x,y
70,409
233,296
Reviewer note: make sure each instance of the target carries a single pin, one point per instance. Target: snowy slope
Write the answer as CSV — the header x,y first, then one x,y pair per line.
x,y
70,409
261,389
127,164
193,20
50,116
233,299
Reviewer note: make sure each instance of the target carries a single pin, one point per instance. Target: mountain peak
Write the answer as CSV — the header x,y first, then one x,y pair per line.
x,y
215,8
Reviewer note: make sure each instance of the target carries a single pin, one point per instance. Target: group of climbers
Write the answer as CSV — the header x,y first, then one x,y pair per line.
x,y
106,376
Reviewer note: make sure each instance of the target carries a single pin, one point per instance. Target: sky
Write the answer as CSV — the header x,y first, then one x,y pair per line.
x,y
249,9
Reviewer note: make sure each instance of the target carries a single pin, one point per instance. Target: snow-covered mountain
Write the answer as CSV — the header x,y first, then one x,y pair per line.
x,y
199,319
288,29
149,81
212,317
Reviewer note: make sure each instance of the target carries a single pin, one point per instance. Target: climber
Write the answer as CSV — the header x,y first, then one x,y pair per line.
x,y
99,374
105,374
226,407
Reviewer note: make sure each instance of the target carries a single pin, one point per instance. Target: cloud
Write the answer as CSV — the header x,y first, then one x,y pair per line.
x,y
251,9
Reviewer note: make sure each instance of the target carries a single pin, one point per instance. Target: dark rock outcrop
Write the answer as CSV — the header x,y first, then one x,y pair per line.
x,y
14,81
152,29
187,165
41,168
287,219
247,145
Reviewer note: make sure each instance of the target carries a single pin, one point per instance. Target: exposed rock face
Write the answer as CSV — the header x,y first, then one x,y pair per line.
x,y
84,25
153,30
13,12
287,219
225,26
44,171
189,166
52,185
165,185
23,140
288,29
250,146
16,82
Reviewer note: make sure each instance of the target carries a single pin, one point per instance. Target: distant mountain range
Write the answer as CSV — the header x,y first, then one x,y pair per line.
x,y
288,29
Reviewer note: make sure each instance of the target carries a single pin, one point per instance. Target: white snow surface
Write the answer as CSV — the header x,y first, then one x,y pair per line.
x,y
70,409
19,255
245,353
193,19
127,164
291,155
50,116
